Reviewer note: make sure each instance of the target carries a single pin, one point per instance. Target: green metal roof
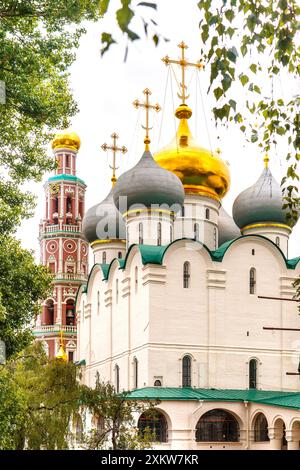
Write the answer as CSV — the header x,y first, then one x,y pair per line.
x,y
66,177
267,397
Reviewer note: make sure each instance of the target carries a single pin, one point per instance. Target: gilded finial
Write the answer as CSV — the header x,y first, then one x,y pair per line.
x,y
114,149
147,106
218,151
62,353
183,111
266,160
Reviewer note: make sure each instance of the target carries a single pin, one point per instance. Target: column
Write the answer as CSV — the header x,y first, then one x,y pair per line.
x,y
275,436
292,437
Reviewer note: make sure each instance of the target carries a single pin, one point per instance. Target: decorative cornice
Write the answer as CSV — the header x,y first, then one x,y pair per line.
x,y
266,224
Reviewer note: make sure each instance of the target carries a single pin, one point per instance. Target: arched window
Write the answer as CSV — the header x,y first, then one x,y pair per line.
x,y
70,313
67,161
135,372
217,426
215,238
104,257
136,279
261,428
171,234
159,234
182,211
69,204
186,371
141,235
117,378
155,423
49,313
252,281
207,215
186,275
119,254
278,241
196,231
157,383
253,373
56,204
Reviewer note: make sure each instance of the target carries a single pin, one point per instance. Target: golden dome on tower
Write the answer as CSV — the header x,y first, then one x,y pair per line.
x,y
66,140
201,171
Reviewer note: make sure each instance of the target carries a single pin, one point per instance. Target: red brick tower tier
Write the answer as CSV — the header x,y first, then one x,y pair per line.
x,y
63,248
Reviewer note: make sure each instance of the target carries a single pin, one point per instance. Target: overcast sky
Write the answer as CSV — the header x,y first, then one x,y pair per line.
x,y
105,89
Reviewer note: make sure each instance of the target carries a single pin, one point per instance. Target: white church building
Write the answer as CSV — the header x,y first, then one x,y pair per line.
x,y
191,306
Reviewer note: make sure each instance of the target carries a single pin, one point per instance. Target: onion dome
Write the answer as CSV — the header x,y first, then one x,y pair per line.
x,y
261,203
147,184
66,140
228,230
200,170
103,221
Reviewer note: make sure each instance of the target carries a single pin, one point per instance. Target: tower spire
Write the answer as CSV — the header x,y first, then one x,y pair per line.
x,y
114,148
266,160
147,106
183,64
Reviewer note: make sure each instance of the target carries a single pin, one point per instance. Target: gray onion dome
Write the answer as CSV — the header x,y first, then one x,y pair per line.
x,y
228,230
260,203
147,184
103,221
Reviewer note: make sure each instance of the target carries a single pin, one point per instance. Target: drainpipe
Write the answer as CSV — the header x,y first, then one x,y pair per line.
x,y
247,425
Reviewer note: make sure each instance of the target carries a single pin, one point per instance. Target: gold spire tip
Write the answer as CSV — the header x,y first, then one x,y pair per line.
x,y
266,160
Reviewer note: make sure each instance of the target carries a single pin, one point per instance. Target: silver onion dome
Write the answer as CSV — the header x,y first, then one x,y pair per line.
x,y
228,230
103,221
147,184
262,202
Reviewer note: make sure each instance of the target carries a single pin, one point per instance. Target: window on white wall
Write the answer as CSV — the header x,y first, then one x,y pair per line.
x,y
278,241
252,281
171,234
253,373
186,274
159,233
135,372
186,371
117,290
136,279
196,232
117,378
98,303
104,257
215,238
207,214
141,234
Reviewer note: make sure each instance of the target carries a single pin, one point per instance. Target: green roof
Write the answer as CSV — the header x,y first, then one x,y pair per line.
x,y
66,177
266,397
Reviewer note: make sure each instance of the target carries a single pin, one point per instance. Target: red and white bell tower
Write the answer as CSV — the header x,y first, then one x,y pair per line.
x,y
63,248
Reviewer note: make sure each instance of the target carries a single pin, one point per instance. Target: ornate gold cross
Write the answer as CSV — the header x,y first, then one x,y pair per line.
x,y
147,106
183,64
114,150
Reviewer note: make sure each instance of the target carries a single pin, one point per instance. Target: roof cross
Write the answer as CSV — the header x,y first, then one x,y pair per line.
x,y
114,148
183,64
147,106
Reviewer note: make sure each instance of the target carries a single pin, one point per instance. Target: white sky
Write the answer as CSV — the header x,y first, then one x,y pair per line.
x,y
105,89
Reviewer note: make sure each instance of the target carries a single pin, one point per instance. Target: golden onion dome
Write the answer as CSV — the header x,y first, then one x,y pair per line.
x,y
62,355
66,140
201,171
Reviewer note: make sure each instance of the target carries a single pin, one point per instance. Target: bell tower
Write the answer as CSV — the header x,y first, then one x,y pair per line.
x,y
63,248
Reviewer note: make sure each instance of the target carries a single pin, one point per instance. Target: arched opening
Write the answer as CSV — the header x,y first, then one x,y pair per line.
x,y
70,313
207,214
186,371
171,234
261,428
196,232
252,281
215,238
141,234
117,378
157,383
217,426
253,373
278,241
154,423
186,275
119,254
295,443
280,436
159,234
135,372
104,257
49,313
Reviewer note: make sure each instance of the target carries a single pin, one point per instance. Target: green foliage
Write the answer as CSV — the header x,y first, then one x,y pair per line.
x,y
239,36
22,285
114,423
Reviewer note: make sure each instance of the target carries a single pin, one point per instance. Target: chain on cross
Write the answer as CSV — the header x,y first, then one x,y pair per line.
x,y
147,106
183,64
114,148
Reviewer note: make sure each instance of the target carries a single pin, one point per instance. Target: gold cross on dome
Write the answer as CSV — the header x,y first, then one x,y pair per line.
x,y
147,106
183,64
114,148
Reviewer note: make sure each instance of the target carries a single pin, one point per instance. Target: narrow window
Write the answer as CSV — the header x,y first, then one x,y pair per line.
x,y
117,378
252,281
253,373
278,241
186,372
171,234
136,279
135,372
186,275
117,290
98,303
104,257
196,232
70,356
159,233
253,252
141,236
56,204
182,211
120,254
215,238
67,161
207,214
69,204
